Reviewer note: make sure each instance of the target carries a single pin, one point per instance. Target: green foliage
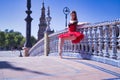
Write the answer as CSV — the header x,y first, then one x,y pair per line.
x,y
2,38
11,40
33,40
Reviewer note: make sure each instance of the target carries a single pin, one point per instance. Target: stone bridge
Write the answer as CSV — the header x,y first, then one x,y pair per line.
x,y
101,43
97,57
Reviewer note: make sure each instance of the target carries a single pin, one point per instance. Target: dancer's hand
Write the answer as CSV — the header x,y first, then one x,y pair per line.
x,y
83,23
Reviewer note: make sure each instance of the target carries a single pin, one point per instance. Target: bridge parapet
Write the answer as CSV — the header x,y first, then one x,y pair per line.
x,y
101,42
37,49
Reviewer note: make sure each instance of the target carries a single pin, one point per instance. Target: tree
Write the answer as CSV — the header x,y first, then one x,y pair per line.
x,y
11,31
6,30
33,40
13,40
10,42
2,39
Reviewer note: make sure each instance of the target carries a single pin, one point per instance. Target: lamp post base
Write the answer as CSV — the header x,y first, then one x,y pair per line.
x,y
26,51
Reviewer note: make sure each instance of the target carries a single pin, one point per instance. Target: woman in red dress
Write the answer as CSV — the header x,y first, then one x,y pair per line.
x,y
72,34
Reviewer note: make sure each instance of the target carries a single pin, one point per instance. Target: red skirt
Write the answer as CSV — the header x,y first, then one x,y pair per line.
x,y
79,36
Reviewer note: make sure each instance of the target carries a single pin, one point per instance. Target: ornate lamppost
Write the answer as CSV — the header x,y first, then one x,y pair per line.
x,y
28,20
66,11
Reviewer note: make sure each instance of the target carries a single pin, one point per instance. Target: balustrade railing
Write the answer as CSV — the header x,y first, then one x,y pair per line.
x,y
37,49
101,39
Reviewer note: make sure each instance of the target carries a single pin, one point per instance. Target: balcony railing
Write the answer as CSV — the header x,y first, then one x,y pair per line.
x,y
102,40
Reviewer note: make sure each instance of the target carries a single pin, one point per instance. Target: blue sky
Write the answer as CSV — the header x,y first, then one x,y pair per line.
x,y
12,12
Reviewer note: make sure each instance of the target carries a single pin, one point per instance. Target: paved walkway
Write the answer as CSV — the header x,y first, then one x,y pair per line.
x,y
54,68
15,53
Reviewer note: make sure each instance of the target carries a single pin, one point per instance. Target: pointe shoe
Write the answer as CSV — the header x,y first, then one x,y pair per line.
x,y
60,55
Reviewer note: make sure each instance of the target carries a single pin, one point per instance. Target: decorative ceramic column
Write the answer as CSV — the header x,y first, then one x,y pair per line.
x,y
86,40
90,40
82,42
114,42
101,40
95,41
106,41
119,36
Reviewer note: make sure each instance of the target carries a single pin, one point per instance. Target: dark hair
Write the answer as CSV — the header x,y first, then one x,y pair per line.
x,y
74,12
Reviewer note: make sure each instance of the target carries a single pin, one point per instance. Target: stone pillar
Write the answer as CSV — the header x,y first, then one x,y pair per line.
x,y
46,44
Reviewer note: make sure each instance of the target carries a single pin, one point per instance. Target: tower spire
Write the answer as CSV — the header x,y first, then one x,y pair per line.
x,y
43,23
43,13
43,4
48,11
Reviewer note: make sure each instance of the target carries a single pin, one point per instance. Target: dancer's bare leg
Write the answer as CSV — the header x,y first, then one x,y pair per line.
x,y
61,42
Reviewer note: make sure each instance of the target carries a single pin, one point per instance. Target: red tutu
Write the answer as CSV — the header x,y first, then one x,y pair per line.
x,y
72,31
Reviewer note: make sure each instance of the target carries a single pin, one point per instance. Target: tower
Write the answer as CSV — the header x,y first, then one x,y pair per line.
x,y
43,23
